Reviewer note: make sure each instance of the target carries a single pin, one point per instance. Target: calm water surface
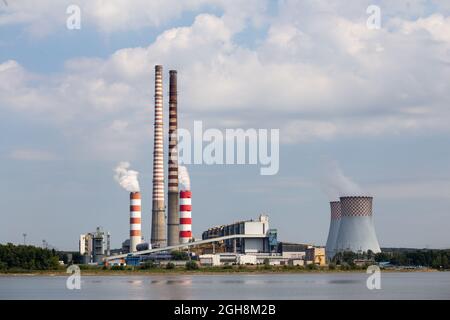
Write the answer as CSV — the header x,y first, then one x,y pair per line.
x,y
435,285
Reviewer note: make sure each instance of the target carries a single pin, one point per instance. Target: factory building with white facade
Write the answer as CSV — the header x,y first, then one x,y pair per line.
x,y
259,238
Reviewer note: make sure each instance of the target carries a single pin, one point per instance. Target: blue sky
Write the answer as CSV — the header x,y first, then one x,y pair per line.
x,y
74,103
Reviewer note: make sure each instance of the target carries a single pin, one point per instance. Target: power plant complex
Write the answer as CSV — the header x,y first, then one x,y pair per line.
x,y
244,242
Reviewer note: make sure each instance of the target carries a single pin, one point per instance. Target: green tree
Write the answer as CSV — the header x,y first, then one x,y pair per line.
x,y
28,257
445,261
191,265
148,265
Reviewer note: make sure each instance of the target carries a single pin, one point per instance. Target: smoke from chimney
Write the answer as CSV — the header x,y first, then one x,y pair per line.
x,y
128,179
185,181
336,184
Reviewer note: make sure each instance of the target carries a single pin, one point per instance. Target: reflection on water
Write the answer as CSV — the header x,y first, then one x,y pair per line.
x,y
233,281
178,282
344,281
435,285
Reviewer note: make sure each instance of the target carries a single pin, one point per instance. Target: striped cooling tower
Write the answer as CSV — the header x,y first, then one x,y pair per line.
x,y
356,230
335,208
135,220
172,198
185,216
158,236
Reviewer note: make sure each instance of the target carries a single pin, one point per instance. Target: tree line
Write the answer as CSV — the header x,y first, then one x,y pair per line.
x,y
27,258
436,259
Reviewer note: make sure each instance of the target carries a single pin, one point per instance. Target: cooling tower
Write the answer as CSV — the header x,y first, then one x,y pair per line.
x,y
172,208
185,216
335,207
135,220
356,230
158,236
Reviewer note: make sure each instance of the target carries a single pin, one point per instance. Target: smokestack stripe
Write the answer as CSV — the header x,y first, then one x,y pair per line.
x,y
185,227
158,235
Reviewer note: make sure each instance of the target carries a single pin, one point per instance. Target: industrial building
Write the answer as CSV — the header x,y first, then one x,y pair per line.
x,y
315,255
94,246
293,250
293,254
264,240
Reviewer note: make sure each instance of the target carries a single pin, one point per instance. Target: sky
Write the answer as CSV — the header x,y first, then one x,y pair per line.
x,y
367,107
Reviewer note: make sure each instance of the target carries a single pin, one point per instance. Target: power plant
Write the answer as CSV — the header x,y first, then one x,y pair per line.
x,y
335,221
356,228
158,235
172,198
351,222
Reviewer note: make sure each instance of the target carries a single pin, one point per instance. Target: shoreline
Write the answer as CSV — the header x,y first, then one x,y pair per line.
x,y
102,273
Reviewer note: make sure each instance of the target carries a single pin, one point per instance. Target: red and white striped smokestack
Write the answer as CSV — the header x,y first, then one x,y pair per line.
x,y
172,196
158,237
185,216
135,220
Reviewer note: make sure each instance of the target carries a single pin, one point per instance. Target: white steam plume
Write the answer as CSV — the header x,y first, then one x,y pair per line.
x,y
183,176
336,184
128,179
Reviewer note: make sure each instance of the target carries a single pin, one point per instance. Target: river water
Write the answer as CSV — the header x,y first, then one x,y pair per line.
x,y
412,285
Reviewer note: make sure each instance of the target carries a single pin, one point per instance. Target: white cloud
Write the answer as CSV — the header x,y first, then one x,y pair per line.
x,y
436,25
49,16
316,76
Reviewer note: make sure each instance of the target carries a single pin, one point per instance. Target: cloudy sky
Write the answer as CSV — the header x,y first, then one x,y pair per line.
x,y
370,105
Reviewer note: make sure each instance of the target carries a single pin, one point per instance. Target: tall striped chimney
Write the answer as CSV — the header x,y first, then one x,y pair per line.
x,y
135,220
172,216
158,236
